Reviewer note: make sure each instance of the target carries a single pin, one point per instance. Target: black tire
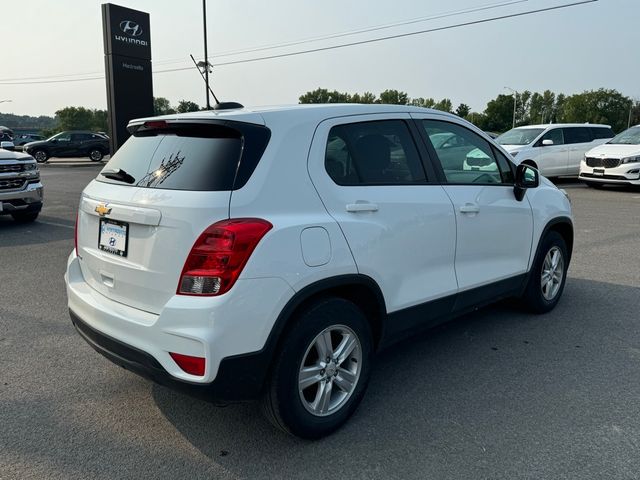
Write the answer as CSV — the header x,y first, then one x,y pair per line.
x,y
595,185
41,156
283,402
25,217
95,154
534,297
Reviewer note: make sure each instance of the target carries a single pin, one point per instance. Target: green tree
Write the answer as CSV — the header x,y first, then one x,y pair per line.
x,y
187,106
444,105
423,102
75,118
162,106
394,97
463,110
366,97
598,106
322,95
498,114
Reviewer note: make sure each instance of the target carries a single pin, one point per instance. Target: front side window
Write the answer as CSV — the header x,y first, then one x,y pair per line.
x,y
554,135
62,137
373,153
471,160
577,135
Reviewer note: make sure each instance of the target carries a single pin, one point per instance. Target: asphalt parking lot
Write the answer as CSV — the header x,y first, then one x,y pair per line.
x,y
496,394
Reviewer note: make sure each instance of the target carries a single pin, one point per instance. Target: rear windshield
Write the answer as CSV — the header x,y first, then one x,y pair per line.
x,y
194,157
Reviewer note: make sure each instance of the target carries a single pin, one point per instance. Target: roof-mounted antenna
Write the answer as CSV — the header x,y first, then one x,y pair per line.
x,y
205,67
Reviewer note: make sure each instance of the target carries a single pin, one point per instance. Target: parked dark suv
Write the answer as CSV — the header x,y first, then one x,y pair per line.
x,y
70,144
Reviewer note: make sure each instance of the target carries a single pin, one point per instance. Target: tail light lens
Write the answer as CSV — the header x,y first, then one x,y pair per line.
x,y
75,234
219,255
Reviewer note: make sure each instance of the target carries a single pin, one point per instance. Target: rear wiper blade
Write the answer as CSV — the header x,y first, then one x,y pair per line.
x,y
118,174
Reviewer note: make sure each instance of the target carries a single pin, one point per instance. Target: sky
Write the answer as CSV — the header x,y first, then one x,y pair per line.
x,y
569,50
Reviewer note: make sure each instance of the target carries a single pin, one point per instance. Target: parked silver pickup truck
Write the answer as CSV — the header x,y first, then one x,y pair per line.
x,y
20,188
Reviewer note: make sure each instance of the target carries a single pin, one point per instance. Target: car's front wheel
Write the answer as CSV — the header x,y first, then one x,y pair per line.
x,y
322,370
95,155
548,274
41,156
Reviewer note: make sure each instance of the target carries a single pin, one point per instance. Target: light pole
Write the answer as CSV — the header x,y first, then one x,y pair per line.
x,y
206,54
515,102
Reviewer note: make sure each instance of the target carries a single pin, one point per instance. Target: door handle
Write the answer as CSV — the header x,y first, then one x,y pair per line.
x,y
469,208
362,207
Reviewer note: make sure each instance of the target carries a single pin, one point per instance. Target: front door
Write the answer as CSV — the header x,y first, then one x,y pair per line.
x,y
494,230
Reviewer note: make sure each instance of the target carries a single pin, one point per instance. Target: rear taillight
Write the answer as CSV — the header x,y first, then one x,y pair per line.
x,y
219,255
75,234
189,364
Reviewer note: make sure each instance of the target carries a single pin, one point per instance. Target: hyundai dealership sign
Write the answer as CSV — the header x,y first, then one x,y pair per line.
x,y
127,50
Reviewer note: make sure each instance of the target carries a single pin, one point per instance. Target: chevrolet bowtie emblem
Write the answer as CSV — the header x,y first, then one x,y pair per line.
x,y
103,210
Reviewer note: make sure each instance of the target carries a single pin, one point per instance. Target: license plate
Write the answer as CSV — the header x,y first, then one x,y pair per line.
x,y
598,171
113,237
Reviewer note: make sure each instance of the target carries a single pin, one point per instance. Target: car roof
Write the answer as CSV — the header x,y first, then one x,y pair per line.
x,y
263,114
559,125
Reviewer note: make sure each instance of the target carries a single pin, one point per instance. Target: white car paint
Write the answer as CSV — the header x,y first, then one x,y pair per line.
x,y
552,160
623,166
416,243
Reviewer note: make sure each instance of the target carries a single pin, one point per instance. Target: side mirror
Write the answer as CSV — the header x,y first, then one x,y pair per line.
x,y
526,177
547,142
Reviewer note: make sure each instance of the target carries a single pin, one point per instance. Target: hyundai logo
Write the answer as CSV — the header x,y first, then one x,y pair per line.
x,y
130,28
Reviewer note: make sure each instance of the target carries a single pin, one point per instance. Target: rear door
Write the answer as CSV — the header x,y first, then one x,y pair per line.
x,y
139,219
399,224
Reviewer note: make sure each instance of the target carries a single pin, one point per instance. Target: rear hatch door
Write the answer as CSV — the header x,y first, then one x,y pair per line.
x,y
140,217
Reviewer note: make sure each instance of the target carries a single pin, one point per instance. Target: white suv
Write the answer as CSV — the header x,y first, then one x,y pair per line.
x,y
615,162
555,149
268,253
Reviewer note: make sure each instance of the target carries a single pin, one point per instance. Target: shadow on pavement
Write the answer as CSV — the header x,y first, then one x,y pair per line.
x,y
498,394
43,230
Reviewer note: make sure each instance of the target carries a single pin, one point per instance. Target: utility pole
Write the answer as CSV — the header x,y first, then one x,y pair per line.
x,y
515,102
206,53
630,110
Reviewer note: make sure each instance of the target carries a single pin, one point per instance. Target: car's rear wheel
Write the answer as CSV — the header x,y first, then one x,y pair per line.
x,y
322,370
41,156
548,274
96,155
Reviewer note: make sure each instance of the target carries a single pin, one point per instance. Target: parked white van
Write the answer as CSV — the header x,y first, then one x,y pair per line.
x,y
615,162
555,149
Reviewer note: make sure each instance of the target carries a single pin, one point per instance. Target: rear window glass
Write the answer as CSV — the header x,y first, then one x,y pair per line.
x,y
187,157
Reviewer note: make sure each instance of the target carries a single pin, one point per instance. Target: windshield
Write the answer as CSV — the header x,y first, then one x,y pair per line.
x,y
628,137
519,136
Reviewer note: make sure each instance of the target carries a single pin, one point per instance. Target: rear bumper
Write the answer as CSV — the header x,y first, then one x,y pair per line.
x,y
229,331
239,378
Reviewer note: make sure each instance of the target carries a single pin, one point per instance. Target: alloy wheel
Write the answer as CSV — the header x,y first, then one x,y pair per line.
x,y
552,273
330,370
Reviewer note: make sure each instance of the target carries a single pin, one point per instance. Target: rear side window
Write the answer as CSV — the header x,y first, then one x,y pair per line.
x,y
601,132
373,153
577,135
198,157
